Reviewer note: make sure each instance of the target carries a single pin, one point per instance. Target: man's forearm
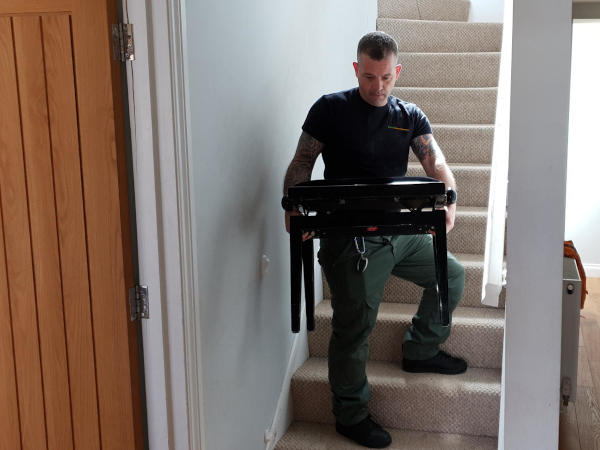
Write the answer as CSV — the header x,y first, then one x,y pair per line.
x,y
443,173
297,172
302,165
432,159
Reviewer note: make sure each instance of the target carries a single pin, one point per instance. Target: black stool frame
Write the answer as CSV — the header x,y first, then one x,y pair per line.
x,y
361,224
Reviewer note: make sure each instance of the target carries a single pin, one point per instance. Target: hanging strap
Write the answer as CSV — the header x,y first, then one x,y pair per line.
x,y
571,252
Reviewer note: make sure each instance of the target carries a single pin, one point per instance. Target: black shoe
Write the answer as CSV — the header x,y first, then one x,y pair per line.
x,y
440,363
366,433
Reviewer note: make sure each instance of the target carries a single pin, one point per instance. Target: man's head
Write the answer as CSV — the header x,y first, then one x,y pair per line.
x,y
376,67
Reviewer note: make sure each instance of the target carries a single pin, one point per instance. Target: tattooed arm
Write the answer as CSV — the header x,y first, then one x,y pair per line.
x,y
301,166
303,162
434,163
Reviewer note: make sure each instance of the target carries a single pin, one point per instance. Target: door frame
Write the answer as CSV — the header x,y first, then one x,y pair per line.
x,y
164,211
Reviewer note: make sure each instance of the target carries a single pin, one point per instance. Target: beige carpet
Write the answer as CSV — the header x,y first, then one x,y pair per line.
x,y
431,36
315,436
464,143
485,326
402,400
450,69
475,105
425,9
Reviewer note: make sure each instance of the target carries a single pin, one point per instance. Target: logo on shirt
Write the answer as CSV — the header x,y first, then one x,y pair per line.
x,y
398,128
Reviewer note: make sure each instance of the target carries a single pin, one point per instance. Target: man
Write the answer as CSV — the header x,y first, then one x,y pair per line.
x,y
366,132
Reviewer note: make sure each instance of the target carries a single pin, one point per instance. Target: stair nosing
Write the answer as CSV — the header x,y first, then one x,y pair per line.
x,y
323,436
448,89
448,53
392,310
463,125
470,166
375,369
427,21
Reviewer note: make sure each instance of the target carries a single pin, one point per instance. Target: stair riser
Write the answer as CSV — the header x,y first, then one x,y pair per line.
x,y
314,436
408,407
449,70
402,291
467,145
453,106
442,37
386,341
457,10
473,183
468,234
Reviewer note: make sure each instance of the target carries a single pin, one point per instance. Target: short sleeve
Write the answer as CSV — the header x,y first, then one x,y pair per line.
x,y
317,122
421,122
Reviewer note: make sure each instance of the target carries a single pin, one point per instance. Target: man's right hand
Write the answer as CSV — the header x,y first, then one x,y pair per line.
x,y
288,214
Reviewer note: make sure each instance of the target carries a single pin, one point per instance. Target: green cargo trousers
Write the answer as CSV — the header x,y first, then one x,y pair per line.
x,y
355,298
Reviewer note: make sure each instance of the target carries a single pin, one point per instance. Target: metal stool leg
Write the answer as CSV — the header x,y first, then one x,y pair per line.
x,y
296,272
441,266
309,282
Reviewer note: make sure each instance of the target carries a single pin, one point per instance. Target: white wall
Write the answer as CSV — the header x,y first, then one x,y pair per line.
x,y
486,11
253,69
583,204
536,205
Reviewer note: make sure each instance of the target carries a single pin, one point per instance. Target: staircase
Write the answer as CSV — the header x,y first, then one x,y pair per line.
x,y
450,69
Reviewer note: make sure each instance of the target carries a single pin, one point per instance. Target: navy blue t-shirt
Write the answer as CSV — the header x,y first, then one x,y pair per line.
x,y
361,140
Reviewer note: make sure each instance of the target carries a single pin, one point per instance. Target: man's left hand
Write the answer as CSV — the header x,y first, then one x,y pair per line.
x,y
450,216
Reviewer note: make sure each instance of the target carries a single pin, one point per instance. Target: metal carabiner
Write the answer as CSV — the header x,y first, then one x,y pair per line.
x,y
363,261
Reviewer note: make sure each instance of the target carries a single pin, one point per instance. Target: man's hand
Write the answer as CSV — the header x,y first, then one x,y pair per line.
x,y
288,214
450,216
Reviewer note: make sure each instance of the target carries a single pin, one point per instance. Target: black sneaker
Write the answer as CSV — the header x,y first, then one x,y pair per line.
x,y
440,363
366,433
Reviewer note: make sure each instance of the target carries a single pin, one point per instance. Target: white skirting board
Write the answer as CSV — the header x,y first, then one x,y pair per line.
x,y
299,353
592,270
284,412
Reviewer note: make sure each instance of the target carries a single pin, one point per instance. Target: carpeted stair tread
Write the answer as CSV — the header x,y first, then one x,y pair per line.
x,y
402,291
453,105
473,181
465,404
460,143
429,36
457,10
449,70
316,436
482,325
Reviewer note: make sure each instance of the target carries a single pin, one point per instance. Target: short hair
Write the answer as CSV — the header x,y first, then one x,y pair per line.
x,y
377,45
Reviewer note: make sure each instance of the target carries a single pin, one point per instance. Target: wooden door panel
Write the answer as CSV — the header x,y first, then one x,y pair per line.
x,y
17,244
17,7
71,228
101,145
9,413
65,232
27,32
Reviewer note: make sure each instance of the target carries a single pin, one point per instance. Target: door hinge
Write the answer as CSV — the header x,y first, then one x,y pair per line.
x,y
122,37
138,303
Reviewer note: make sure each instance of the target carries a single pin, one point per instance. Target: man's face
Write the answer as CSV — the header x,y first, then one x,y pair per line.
x,y
376,79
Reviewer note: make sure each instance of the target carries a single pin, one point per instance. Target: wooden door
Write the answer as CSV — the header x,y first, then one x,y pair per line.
x,y
69,374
